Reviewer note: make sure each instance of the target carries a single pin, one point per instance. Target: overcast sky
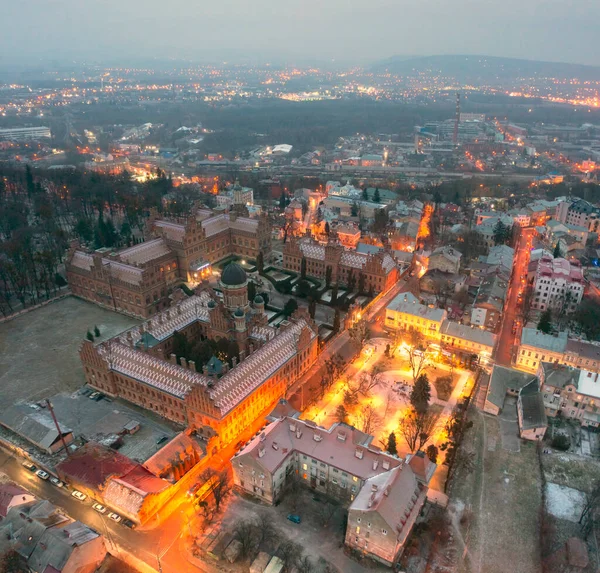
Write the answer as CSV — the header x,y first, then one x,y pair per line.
x,y
345,30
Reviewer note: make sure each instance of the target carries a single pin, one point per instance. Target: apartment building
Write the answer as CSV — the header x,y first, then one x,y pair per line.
x,y
385,494
405,313
557,285
572,392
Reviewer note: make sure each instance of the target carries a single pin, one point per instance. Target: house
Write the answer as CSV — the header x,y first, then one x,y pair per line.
x,y
557,285
500,382
446,259
489,303
48,541
531,413
37,427
406,313
11,495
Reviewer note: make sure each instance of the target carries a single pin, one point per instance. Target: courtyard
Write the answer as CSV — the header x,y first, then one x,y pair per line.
x,y
39,350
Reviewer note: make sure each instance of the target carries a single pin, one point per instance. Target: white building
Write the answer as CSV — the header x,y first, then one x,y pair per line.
x,y
558,285
23,133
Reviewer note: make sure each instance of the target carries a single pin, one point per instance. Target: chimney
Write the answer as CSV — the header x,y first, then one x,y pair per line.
x,y
298,434
358,453
375,464
275,445
168,314
317,437
242,355
292,427
234,361
341,436
183,362
192,365
262,436
374,487
205,370
251,349
179,308
386,465
173,359
261,451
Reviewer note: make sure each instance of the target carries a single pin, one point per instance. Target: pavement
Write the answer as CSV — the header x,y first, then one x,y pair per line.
x,y
507,341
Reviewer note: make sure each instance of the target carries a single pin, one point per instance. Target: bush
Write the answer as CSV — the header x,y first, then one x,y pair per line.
x,y
60,280
561,442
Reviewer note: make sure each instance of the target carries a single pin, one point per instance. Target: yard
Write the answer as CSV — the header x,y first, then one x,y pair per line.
x,y
39,350
495,508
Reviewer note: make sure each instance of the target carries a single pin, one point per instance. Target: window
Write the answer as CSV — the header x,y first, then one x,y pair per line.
x,y
384,531
304,466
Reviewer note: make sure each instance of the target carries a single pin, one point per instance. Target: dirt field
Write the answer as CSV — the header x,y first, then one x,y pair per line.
x,y
39,350
496,508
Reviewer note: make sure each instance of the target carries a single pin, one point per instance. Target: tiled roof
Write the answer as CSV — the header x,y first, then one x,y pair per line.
x,y
173,231
537,339
464,332
82,260
353,259
145,252
407,304
502,379
281,438
311,249
242,380
125,272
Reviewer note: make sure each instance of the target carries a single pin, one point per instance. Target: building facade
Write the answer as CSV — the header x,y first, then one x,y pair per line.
x,y
138,280
557,285
379,270
138,365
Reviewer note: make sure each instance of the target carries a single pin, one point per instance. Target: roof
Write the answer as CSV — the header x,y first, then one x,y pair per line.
x,y
559,375
447,252
538,339
502,379
407,303
145,252
465,332
339,446
583,349
8,492
233,275
532,406
35,426
395,495
177,448
93,465
422,466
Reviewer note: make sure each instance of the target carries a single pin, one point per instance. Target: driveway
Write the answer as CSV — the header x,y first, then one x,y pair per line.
x,y
509,426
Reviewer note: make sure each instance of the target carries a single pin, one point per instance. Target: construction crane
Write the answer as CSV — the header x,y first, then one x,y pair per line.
x,y
456,120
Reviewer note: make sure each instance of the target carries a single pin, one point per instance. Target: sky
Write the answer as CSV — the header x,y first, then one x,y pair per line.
x,y
299,31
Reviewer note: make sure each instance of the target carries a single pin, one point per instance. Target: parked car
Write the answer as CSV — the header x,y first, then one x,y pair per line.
x,y
78,495
99,508
28,465
57,482
114,516
42,474
161,440
294,518
94,395
128,523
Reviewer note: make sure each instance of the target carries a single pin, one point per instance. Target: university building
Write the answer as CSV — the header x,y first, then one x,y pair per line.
x,y
379,270
138,280
384,493
138,365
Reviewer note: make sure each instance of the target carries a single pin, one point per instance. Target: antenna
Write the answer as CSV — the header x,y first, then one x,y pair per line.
x,y
60,435
456,120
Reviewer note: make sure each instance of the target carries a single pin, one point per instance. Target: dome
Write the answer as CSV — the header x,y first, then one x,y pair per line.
x,y
233,275
212,304
259,299
239,313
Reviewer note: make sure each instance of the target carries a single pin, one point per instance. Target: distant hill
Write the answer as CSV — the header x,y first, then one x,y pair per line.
x,y
483,68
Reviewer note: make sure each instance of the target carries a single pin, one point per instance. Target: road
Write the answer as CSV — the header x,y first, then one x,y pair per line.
x,y
506,338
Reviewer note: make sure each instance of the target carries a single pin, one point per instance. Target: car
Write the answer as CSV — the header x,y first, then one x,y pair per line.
x,y
161,440
294,518
57,482
42,474
94,395
114,516
78,495
28,465
128,523
99,508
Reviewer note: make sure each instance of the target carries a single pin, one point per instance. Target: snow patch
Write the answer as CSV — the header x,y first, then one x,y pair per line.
x,y
564,502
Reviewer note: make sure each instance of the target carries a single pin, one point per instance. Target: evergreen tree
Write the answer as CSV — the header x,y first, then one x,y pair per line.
x,y
557,254
290,307
327,229
392,447
361,283
500,233
545,323
376,195
432,453
251,291
260,262
303,268
336,320
328,272
421,394
334,294
96,331
365,194
89,336
312,308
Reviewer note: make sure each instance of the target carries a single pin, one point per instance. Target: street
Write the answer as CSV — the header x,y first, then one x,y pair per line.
x,y
506,338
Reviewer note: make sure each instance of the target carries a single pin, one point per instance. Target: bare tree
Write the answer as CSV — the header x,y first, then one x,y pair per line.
x,y
220,486
417,354
326,513
359,332
246,532
267,530
305,565
369,420
591,510
293,494
416,428
290,553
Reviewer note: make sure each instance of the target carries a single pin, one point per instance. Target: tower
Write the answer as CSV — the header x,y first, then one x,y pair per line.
x,y
234,284
456,120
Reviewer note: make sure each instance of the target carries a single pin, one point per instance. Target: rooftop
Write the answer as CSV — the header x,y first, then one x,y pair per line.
x,y
538,339
502,379
407,303
465,332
